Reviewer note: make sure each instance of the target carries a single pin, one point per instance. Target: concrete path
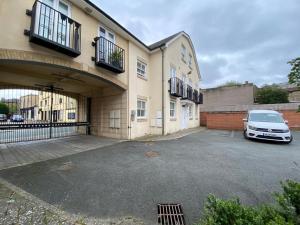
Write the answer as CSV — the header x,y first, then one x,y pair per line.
x,y
172,136
131,178
17,154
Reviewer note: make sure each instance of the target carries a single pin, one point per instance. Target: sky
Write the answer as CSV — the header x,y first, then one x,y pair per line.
x,y
235,40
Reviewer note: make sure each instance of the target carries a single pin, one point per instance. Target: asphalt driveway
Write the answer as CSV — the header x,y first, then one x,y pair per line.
x,y
130,178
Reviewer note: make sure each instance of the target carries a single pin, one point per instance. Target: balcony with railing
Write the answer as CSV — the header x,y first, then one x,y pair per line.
x,y
198,97
189,93
109,55
176,87
53,29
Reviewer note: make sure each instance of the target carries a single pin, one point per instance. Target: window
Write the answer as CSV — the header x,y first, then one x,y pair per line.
x,y
60,100
71,116
190,60
115,119
183,52
41,103
172,109
141,109
172,72
191,111
141,68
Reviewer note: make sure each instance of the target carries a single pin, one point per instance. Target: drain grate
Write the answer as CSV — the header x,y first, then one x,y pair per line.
x,y
170,214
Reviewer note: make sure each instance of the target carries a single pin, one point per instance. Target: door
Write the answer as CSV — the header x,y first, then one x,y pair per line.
x,y
184,117
51,22
106,47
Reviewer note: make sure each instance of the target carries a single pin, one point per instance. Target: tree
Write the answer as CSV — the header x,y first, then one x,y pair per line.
x,y
271,95
3,108
294,75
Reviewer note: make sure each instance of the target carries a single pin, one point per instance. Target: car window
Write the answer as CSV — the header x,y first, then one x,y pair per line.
x,y
265,117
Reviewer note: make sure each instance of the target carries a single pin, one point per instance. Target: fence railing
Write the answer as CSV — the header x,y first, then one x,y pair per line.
x,y
109,55
176,87
55,30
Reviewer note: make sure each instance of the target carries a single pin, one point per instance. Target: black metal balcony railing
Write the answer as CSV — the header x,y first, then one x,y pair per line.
x,y
176,87
200,99
189,93
109,55
196,96
54,30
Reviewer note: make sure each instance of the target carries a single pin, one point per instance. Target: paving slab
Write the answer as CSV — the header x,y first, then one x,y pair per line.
x,y
23,153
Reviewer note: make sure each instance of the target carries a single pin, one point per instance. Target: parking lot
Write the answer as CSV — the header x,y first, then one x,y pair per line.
x,y
130,178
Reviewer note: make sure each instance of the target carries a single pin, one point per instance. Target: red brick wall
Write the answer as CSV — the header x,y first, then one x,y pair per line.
x,y
203,118
234,120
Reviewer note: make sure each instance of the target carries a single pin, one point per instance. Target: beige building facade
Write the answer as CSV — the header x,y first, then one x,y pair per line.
x,y
121,86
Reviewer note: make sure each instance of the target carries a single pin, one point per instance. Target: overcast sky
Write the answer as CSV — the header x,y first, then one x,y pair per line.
x,y
234,39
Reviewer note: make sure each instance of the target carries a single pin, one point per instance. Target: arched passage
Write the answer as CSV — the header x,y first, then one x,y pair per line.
x,y
96,96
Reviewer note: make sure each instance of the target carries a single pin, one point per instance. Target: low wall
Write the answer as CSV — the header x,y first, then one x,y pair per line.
x,y
231,117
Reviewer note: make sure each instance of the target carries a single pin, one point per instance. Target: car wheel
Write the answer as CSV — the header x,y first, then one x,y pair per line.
x,y
245,135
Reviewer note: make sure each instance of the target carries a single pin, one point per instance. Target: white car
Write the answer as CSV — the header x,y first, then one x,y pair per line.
x,y
266,125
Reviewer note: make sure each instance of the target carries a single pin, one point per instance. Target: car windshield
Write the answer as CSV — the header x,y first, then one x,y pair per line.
x,y
265,117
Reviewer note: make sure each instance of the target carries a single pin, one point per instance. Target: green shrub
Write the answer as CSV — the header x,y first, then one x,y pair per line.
x,y
3,108
271,95
232,212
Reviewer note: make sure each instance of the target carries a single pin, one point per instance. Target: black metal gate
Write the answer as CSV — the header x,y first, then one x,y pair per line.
x,y
41,113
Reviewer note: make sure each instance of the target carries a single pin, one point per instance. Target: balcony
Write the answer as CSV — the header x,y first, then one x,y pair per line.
x,y
52,29
109,56
190,93
198,97
176,87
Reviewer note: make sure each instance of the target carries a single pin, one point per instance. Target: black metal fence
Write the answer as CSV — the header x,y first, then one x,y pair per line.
x,y
36,114
176,87
109,55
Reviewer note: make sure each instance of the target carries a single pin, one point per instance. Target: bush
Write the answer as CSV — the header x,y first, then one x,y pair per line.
x,y
232,212
271,95
3,108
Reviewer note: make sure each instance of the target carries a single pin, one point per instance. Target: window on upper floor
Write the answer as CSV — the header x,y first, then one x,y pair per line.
x,y
141,108
172,72
183,53
141,68
172,109
190,60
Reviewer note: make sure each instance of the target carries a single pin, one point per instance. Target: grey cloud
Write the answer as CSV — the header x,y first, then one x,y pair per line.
x,y
234,39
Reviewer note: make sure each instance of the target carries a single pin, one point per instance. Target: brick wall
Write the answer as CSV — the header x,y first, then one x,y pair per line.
x,y
234,120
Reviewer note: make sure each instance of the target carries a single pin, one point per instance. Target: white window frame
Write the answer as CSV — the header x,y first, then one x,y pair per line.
x,y
115,119
173,110
183,53
144,75
141,109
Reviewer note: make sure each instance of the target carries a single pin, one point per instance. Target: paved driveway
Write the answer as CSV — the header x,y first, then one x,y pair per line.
x,y
130,178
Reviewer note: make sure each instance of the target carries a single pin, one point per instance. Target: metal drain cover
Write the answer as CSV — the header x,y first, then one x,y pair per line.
x,y
170,214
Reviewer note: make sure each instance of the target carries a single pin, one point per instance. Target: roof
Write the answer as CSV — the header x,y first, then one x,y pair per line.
x,y
163,41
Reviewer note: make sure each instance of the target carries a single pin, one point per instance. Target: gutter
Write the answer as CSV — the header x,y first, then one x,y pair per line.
x,y
162,49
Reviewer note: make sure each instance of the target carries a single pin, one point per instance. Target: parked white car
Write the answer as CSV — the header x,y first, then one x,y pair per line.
x,y
267,125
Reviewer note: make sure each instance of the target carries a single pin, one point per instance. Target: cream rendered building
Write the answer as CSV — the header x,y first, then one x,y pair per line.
x,y
123,87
